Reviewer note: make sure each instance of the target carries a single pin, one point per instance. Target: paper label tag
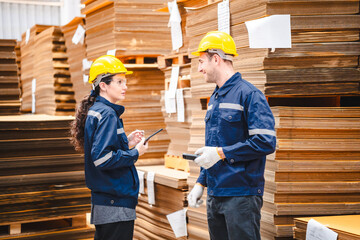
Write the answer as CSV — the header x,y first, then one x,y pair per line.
x,y
141,182
317,231
180,105
177,222
150,187
27,36
78,35
224,17
33,91
111,52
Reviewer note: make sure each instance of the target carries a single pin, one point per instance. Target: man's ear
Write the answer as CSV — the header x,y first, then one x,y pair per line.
x,y
217,58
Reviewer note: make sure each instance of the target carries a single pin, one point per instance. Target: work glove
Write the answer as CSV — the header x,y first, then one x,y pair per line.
x,y
195,195
209,156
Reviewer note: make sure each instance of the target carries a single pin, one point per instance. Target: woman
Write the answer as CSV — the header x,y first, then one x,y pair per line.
x,y
109,162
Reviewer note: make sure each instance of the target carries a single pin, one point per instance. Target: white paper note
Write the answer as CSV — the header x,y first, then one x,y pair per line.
x,y
175,24
270,32
27,36
224,16
85,78
86,64
78,35
33,90
150,187
177,222
317,231
170,103
111,52
180,105
174,80
141,182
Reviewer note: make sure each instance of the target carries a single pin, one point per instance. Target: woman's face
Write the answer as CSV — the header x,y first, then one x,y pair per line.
x,y
116,90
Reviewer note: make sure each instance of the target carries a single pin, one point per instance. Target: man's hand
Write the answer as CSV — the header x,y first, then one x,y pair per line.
x,y
135,137
209,156
141,147
195,195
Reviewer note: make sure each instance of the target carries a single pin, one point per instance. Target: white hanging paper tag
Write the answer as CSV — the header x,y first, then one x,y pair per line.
x,y
150,187
85,78
170,103
317,231
180,105
86,64
141,182
174,80
177,222
224,16
111,52
78,35
175,24
270,32
33,90
27,36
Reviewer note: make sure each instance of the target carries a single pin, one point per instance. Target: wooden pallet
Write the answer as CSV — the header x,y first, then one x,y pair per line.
x,y
170,60
176,162
74,227
138,59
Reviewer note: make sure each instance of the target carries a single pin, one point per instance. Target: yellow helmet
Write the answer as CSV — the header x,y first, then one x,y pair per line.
x,y
104,66
217,42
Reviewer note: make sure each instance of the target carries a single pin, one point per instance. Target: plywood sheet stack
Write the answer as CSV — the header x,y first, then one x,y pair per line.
x,y
42,184
9,78
315,169
47,64
131,27
76,53
347,226
151,222
143,109
322,61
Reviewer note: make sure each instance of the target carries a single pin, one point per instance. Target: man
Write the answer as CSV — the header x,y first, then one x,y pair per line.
x,y
239,134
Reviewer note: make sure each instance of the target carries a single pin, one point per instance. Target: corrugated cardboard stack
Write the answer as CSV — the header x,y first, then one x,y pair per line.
x,y
9,78
45,73
315,169
151,222
76,53
42,185
132,28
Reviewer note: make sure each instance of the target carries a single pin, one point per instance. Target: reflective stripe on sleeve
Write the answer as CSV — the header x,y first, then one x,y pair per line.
x,y
103,159
210,107
231,106
262,131
95,114
120,130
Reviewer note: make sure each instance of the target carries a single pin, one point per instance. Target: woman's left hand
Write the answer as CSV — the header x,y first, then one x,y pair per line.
x,y
135,137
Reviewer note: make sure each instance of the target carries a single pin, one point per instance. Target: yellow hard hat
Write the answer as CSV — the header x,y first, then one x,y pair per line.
x,y
104,66
215,41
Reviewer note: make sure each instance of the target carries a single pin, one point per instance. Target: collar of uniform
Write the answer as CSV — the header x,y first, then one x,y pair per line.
x,y
119,109
228,84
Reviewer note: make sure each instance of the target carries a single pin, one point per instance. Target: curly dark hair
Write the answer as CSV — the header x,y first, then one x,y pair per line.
x,y
77,126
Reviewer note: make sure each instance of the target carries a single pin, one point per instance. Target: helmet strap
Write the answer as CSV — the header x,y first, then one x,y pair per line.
x,y
99,78
221,53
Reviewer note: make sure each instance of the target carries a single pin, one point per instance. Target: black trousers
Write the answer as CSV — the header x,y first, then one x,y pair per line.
x,y
115,231
234,218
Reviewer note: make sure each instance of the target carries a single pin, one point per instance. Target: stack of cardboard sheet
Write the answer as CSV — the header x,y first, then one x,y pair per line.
x,y
42,185
197,219
76,53
346,226
9,78
151,222
45,73
315,169
143,109
131,27
322,60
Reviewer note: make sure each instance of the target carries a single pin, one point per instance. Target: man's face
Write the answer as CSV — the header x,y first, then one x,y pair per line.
x,y
207,68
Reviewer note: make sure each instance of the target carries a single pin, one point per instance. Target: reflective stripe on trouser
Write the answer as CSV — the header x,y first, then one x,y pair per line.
x,y
234,218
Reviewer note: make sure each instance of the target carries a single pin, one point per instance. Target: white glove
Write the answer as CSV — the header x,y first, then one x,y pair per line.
x,y
195,195
209,156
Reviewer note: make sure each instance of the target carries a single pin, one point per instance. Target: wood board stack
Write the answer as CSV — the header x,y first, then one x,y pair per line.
x,y
346,226
151,222
131,27
322,60
46,62
76,53
315,169
143,109
41,179
9,78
